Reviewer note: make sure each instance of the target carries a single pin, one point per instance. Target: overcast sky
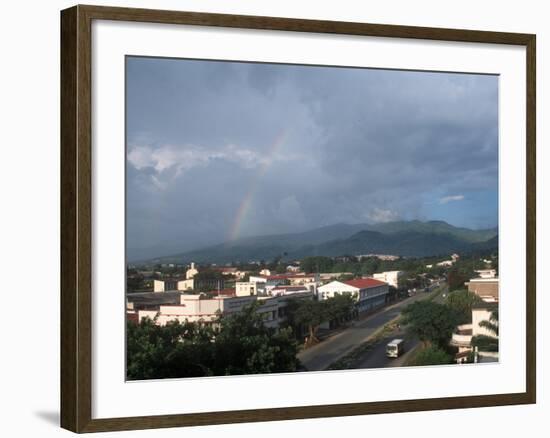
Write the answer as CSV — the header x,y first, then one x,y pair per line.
x,y
220,150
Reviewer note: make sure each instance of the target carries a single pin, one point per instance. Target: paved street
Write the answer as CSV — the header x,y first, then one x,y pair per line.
x,y
319,357
376,357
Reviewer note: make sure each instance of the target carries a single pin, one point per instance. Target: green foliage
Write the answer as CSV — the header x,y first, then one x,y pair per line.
x,y
339,308
432,356
432,322
309,314
485,343
208,274
317,264
241,344
492,323
462,301
456,278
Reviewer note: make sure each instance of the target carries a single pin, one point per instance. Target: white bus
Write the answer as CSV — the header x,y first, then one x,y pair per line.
x,y
395,348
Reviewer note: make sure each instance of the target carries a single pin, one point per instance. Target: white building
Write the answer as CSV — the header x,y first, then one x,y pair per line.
x,y
488,290
390,277
195,308
191,272
462,338
486,273
164,285
246,288
368,292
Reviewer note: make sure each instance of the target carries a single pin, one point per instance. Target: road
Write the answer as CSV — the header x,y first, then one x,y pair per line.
x,y
320,356
376,356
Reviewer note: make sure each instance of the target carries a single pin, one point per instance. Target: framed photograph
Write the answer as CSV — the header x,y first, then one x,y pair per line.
x,y
270,218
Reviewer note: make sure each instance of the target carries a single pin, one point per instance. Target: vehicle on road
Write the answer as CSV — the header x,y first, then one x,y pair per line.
x,y
395,348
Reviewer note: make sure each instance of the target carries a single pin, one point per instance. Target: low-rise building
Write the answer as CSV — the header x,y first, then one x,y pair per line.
x,y
200,308
324,276
462,337
390,277
486,273
486,288
369,293
246,288
165,285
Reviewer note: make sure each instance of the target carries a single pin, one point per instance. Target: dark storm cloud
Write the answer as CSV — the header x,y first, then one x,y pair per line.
x,y
218,150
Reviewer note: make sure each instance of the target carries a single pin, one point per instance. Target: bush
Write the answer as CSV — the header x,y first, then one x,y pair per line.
x,y
432,356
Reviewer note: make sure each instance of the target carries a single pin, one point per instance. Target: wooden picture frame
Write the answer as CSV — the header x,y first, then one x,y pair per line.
x,y
76,217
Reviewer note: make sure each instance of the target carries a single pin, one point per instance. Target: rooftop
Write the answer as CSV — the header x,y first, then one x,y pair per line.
x,y
364,283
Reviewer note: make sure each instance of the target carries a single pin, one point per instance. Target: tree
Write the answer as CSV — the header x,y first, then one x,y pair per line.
x,y
245,346
485,342
317,264
432,322
432,356
462,302
492,323
236,344
456,279
340,308
310,314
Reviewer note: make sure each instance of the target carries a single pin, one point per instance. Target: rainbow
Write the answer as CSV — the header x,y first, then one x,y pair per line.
x,y
244,207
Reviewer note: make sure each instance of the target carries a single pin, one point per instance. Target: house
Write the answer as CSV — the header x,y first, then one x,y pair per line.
x,y
369,293
486,288
390,277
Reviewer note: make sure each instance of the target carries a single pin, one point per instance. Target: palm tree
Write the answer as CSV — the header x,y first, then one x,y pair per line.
x,y
492,324
484,342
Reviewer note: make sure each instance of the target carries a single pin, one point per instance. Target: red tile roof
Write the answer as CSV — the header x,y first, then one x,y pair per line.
x,y
365,283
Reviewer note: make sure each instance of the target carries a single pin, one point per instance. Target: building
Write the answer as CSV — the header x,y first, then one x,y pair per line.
x,y
200,308
324,276
369,293
390,277
462,338
486,288
246,288
263,285
229,270
165,285
188,284
486,273
191,272
288,290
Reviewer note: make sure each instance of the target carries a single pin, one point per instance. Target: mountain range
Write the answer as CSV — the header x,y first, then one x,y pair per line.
x,y
405,238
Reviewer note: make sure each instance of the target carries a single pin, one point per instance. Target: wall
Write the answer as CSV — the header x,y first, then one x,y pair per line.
x,y
29,177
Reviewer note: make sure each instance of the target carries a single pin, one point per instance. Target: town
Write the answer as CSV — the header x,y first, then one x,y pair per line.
x,y
314,314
